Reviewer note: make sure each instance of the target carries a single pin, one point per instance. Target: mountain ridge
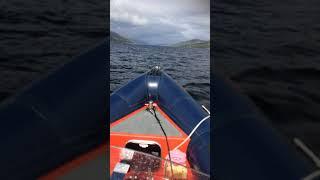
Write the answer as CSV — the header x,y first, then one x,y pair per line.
x,y
119,39
193,43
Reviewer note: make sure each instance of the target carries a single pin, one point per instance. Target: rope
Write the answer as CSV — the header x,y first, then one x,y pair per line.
x,y
312,156
194,129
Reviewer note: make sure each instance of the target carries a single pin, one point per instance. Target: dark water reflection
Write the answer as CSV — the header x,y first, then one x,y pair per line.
x,y
38,36
271,49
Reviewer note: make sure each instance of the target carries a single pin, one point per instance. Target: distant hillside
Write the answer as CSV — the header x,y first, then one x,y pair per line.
x,y
139,42
116,38
194,43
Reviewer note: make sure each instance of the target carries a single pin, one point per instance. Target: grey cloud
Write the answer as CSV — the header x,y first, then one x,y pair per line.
x,y
161,22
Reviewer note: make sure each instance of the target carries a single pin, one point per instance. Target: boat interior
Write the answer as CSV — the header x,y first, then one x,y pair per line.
x,y
140,133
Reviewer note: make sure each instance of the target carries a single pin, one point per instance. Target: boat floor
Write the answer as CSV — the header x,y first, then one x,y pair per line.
x,y
93,169
144,122
91,165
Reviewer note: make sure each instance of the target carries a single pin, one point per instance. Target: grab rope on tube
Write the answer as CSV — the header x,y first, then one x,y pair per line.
x,y
313,157
194,129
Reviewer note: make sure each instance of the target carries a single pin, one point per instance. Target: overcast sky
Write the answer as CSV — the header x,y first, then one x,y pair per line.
x,y
161,21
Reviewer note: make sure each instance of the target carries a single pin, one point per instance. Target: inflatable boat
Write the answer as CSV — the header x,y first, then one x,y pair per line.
x,y
157,130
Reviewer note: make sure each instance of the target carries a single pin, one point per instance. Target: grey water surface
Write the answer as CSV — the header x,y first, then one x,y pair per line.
x,y
189,67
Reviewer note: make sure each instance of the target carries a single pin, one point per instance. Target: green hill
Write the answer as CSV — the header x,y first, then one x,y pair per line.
x,y
194,43
116,38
